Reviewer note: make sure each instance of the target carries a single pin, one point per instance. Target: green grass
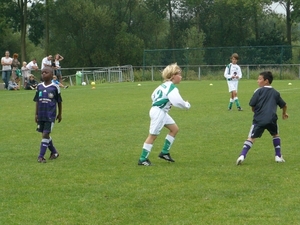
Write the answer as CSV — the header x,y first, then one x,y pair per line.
x,y
96,179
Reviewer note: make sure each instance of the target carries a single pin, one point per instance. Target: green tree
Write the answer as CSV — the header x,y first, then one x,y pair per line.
x,y
292,10
16,16
22,8
193,41
16,13
149,24
37,23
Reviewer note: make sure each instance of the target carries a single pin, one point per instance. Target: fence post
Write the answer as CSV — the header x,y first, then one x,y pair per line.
x,y
199,73
248,75
152,73
71,83
108,74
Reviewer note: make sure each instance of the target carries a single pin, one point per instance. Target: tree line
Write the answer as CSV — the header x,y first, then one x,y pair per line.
x,y
115,32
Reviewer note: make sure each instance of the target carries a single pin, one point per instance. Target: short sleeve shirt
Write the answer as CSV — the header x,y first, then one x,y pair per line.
x,y
47,97
6,61
265,101
30,65
47,62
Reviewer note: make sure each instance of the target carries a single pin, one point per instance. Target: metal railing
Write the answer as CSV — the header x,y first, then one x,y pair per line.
x,y
153,73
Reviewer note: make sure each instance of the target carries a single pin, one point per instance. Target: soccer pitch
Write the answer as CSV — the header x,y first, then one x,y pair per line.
x,y
96,179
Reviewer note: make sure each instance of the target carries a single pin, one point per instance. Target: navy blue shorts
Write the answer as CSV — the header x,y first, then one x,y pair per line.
x,y
256,131
45,127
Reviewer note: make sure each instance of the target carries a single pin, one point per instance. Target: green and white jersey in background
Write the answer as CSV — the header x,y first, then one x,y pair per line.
x,y
167,95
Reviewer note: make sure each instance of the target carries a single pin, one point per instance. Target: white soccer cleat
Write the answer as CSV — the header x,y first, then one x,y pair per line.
x,y
279,159
240,160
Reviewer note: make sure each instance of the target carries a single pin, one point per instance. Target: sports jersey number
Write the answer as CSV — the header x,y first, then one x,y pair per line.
x,y
158,95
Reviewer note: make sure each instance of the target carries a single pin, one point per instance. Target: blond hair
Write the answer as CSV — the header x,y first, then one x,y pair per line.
x,y
170,71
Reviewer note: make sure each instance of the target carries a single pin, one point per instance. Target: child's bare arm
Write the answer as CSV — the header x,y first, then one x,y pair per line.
x,y
58,117
284,114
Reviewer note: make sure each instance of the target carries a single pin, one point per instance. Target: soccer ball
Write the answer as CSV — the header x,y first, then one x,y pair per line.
x,y
93,83
83,83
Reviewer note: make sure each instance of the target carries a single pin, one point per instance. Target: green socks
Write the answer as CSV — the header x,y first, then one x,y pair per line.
x,y
144,155
166,148
237,102
146,151
168,142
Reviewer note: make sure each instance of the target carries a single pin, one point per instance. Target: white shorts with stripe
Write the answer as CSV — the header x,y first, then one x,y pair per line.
x,y
158,119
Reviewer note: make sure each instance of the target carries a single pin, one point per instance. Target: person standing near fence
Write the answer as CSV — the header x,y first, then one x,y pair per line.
x,y
47,61
57,72
15,65
233,74
32,65
25,74
6,62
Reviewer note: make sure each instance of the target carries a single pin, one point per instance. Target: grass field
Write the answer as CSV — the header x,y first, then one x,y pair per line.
x,y
96,179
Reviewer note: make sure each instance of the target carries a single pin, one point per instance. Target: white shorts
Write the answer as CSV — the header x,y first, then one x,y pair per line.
x,y
158,119
232,85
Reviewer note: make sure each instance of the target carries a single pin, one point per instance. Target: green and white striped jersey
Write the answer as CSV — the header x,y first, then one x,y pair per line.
x,y
166,95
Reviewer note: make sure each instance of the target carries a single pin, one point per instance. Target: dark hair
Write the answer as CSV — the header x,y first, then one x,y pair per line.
x,y
267,75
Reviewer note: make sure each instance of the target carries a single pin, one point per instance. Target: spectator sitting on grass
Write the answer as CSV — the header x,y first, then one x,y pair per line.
x,y
55,81
13,84
31,83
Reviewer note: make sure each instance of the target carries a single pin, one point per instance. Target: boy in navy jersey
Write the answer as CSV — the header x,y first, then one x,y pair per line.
x,y
264,104
47,98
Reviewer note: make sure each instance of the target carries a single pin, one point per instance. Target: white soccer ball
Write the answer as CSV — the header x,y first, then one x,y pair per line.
x,y
139,84
289,83
83,83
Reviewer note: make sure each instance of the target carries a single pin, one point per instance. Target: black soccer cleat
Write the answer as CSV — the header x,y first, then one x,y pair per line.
x,y
146,162
166,157
41,160
54,156
240,109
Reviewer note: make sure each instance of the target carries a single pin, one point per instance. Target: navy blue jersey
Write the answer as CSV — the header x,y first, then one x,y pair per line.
x,y
47,98
265,101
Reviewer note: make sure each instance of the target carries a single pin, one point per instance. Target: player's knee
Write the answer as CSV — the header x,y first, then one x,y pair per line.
x,y
175,130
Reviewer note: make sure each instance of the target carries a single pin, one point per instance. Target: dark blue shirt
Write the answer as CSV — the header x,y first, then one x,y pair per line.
x,y
47,98
265,101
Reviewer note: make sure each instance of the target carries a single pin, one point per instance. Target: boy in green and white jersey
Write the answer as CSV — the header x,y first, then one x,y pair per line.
x,y
163,97
233,74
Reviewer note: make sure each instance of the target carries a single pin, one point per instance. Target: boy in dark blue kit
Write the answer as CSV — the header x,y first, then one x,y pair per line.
x,y
264,104
47,98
